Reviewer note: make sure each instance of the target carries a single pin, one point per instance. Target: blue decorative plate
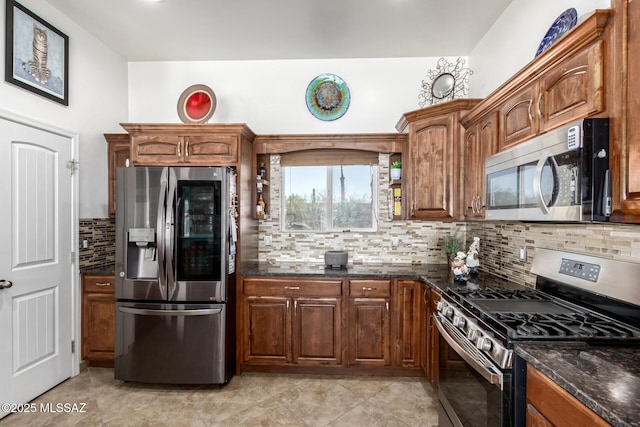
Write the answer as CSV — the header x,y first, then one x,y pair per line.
x,y
566,21
328,97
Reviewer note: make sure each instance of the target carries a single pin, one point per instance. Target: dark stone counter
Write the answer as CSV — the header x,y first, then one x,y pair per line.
x,y
104,270
604,378
438,276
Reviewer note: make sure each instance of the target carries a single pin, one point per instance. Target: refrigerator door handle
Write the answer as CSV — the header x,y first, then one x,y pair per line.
x,y
170,237
186,313
160,227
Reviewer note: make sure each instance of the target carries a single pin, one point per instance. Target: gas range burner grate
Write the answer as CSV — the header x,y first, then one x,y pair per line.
x,y
501,293
583,326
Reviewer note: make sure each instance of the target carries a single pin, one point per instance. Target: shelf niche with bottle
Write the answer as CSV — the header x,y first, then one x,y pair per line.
x,y
261,187
395,184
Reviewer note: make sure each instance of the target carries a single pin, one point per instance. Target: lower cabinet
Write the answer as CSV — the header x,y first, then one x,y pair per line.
x,y
550,405
98,319
368,324
354,323
292,322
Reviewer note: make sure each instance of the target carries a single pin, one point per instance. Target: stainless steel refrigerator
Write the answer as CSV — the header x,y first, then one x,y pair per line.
x,y
175,262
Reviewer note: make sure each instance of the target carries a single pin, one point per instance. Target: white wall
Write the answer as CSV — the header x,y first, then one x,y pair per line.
x,y
270,95
97,103
512,42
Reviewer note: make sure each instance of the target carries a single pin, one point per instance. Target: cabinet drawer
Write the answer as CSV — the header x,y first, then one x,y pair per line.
x,y
370,288
98,283
293,287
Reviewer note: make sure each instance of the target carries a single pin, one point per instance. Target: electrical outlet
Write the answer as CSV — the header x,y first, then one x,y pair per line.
x,y
523,253
394,242
85,243
267,240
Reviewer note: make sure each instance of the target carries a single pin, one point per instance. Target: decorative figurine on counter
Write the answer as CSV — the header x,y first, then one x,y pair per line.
x,y
472,256
459,268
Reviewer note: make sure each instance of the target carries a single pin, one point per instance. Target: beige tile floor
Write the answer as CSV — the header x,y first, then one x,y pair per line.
x,y
251,399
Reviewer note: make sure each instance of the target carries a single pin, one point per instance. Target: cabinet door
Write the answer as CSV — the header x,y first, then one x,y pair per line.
x,y
572,89
425,333
488,145
433,162
369,343
118,151
408,315
518,120
211,150
98,319
157,150
471,171
317,332
267,334
625,141
434,341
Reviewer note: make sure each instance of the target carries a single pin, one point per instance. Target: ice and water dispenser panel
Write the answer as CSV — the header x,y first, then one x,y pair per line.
x,y
142,254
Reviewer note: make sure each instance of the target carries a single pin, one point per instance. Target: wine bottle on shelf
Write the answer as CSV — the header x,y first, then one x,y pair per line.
x,y
262,171
262,204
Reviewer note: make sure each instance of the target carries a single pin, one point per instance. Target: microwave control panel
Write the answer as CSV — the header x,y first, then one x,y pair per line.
x,y
574,138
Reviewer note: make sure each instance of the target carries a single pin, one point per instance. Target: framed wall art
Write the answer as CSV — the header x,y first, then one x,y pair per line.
x,y
36,54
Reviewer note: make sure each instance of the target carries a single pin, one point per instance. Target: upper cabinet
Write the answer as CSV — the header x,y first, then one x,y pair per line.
x,y
564,83
480,141
186,144
625,132
118,152
433,157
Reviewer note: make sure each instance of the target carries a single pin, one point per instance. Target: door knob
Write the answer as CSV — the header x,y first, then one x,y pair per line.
x,y
4,284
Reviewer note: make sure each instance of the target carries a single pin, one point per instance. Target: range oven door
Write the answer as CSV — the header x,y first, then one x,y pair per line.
x,y
472,391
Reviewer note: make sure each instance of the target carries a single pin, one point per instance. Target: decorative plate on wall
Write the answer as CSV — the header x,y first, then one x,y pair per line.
x,y
196,104
328,97
563,23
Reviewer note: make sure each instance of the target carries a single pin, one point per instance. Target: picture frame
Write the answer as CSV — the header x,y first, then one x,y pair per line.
x,y
36,54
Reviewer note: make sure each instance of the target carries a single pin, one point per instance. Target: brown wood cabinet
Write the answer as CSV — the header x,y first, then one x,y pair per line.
x,y
550,405
98,319
118,152
290,321
409,317
186,144
480,141
568,90
432,178
369,322
565,83
433,340
625,132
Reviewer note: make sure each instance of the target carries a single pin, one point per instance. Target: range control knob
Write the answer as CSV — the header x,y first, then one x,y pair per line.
x,y
459,321
448,312
440,305
484,344
472,335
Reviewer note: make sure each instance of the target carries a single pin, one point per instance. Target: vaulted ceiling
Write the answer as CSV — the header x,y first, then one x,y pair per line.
x,y
173,30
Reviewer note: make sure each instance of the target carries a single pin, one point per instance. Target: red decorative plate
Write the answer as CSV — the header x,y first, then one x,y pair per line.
x,y
196,104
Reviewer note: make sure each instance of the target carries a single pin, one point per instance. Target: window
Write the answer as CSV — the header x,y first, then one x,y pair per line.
x,y
329,198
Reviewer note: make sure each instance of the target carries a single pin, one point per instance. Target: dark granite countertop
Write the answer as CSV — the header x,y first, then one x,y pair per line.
x,y
104,270
438,276
605,378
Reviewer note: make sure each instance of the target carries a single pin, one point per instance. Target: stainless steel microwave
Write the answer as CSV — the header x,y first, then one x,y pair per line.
x,y
562,175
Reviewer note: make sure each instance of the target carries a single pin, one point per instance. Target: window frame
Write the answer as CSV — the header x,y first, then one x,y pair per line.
x,y
329,198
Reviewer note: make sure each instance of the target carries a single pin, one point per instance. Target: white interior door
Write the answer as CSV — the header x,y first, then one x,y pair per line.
x,y
35,261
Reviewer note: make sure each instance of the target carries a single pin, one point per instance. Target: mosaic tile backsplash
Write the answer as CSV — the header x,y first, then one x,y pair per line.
x,y
100,234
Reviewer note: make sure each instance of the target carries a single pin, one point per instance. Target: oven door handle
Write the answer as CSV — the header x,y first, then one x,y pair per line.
x,y
471,355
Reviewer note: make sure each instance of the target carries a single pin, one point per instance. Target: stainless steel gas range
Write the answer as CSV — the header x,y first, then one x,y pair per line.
x,y
577,298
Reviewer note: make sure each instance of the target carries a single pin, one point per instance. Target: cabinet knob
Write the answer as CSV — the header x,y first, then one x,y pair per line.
x,y
294,288
366,288
103,284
